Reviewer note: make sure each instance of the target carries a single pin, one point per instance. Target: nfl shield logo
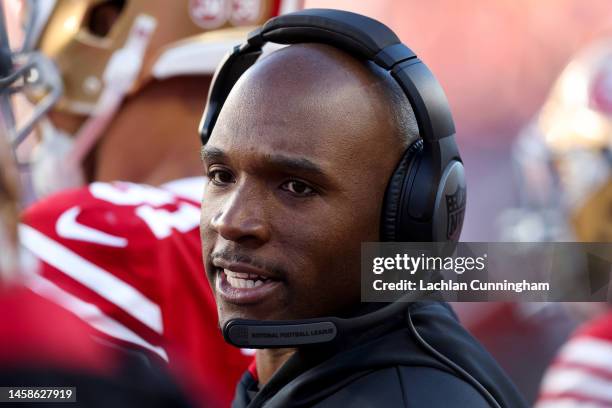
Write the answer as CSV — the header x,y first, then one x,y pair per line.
x,y
455,209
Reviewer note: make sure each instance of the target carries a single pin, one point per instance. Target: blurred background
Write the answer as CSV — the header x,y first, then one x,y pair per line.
x,y
498,62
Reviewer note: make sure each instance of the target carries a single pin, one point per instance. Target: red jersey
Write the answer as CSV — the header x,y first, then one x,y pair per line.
x,y
581,375
127,259
27,318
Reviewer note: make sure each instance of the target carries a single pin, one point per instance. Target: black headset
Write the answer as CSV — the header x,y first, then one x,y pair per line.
x,y
425,197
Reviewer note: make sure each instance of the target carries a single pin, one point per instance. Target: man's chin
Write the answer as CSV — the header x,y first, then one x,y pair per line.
x,y
231,312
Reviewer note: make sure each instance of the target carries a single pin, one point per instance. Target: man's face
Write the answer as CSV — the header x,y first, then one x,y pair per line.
x,y
297,164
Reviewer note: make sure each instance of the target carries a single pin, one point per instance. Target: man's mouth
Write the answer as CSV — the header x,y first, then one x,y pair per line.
x,y
240,284
242,280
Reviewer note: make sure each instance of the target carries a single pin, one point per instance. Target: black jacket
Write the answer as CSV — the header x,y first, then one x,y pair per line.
x,y
388,366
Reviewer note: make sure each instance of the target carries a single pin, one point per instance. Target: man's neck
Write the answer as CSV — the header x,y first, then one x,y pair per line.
x,y
269,361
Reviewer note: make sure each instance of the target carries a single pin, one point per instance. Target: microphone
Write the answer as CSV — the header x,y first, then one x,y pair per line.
x,y
260,334
279,333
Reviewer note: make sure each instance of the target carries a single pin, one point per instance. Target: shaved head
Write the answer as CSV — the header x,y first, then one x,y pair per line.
x,y
298,164
332,86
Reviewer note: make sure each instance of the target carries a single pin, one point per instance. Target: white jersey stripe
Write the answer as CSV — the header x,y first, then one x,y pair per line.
x,y
95,278
588,351
89,313
191,188
567,403
576,380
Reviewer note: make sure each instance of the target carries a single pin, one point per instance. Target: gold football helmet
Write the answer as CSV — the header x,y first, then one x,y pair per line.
x,y
167,38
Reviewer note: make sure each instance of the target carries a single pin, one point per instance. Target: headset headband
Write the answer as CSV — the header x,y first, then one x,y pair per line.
x,y
359,35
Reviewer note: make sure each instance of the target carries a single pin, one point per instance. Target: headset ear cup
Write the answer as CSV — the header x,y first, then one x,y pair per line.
x,y
392,203
450,204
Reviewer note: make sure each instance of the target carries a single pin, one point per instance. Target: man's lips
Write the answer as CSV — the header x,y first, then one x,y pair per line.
x,y
241,283
244,268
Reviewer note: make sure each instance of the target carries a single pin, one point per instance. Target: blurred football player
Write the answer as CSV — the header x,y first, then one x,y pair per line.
x,y
134,75
43,343
564,156
117,60
565,165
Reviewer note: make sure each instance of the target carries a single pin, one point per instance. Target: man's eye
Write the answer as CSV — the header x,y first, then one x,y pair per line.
x,y
220,177
298,188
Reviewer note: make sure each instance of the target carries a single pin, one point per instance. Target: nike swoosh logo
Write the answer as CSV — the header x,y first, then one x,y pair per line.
x,y
68,227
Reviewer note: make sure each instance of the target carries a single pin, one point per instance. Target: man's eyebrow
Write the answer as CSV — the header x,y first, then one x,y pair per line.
x,y
208,154
299,164
279,161
276,160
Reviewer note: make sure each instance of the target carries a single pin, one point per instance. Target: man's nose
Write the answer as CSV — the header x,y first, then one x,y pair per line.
x,y
242,218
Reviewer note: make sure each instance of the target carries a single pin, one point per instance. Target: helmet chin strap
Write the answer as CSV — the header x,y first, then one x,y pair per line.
x,y
119,76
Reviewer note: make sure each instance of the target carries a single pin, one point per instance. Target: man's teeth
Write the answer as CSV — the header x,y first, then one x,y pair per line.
x,y
243,280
